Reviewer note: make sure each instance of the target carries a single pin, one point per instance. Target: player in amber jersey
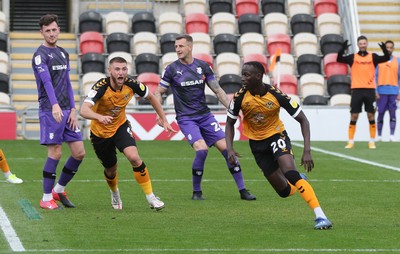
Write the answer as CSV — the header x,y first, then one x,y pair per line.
x,y
268,140
109,129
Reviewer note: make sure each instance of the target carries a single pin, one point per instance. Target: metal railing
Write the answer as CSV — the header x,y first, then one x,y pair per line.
x,y
351,27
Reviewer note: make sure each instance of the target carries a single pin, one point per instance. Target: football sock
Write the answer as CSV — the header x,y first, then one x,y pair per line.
x,y
235,170
319,213
112,182
392,115
69,170
380,123
49,175
59,188
3,163
307,193
293,189
198,169
142,176
47,197
352,130
372,129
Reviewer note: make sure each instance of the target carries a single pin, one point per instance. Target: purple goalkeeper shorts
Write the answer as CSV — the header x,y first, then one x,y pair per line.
x,y
201,127
387,102
53,133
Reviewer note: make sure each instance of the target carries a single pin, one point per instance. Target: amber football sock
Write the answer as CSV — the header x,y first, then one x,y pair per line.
x,y
352,131
307,193
3,162
112,182
142,176
372,130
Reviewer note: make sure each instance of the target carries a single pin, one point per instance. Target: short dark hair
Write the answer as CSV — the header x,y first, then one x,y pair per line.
x,y
257,65
361,37
117,59
389,41
184,36
48,19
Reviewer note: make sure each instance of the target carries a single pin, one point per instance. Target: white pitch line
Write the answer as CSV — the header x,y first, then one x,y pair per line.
x,y
350,157
9,232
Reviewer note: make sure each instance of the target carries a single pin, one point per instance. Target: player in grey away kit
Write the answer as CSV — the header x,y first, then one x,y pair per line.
x,y
57,114
187,78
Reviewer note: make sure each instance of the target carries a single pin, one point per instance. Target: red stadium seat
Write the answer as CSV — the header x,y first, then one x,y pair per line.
x,y
206,58
246,7
288,83
325,6
150,79
258,58
276,41
196,23
332,67
91,42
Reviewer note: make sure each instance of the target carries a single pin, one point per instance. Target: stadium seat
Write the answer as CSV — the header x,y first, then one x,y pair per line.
x,y
147,62
228,63
225,43
246,7
194,6
201,43
249,23
196,23
3,42
340,100
252,43
90,21
3,22
143,21
275,23
223,22
266,79
206,58
216,6
312,84
272,6
93,62
150,79
276,41
117,22
299,6
89,79
287,83
308,63
285,66
332,67
315,100
230,83
128,57
325,6
261,58
5,99
302,23
118,42
4,62
305,43
4,83
167,59
169,22
329,23
331,43
338,84
167,43
145,42
91,42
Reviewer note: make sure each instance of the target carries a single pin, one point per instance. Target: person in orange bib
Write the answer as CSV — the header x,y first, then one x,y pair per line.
x,y
387,80
363,85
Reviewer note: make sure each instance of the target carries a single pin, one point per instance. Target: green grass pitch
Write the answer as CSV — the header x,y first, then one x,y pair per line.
x,y
358,190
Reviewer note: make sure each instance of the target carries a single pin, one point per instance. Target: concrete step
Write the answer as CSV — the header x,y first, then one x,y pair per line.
x,y
26,67
38,36
31,77
28,56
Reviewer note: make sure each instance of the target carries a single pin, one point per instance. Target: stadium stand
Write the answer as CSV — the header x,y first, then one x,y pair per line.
x,y
88,80
330,43
91,42
257,57
4,62
118,42
250,23
329,23
228,63
325,6
170,22
305,43
332,67
302,23
312,84
298,6
167,42
168,58
315,100
147,62
340,100
117,22
143,21
3,42
93,62
127,56
230,83
201,43
194,6
196,23
276,41
246,7
338,84
223,22
287,83
3,22
151,80
285,66
206,58
145,42
309,63
252,43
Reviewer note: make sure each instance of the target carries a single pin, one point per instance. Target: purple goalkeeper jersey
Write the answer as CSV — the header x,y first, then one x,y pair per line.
x,y
188,82
52,65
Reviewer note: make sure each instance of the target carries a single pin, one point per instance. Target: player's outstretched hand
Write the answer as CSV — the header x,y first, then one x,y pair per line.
x,y
345,45
382,46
